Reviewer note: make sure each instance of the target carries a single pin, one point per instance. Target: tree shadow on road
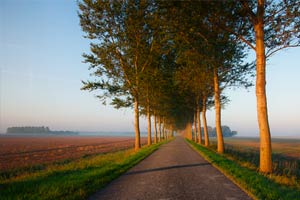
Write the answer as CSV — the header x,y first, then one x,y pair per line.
x,y
166,168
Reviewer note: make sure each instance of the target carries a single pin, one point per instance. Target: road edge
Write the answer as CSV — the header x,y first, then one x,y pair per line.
x,y
250,194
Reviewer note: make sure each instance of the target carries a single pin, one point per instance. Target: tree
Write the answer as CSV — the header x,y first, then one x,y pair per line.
x,y
205,129
281,24
121,49
184,23
227,72
266,27
205,48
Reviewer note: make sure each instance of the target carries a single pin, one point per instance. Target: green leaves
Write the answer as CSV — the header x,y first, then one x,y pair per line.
x,y
163,53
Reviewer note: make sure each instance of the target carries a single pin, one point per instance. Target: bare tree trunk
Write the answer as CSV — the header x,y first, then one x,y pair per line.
x,y
149,125
218,113
167,134
159,128
195,126
188,130
155,130
261,97
163,129
199,125
137,145
206,138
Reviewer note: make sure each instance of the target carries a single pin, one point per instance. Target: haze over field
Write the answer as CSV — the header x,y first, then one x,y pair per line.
x,y
41,71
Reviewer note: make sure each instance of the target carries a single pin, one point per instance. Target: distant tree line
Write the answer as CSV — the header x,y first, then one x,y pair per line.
x,y
37,129
225,130
28,129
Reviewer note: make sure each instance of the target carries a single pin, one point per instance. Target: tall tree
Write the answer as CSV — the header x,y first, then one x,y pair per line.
x,y
228,70
266,26
121,49
204,47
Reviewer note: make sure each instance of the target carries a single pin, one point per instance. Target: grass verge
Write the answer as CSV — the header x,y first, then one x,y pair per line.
x,y
258,185
74,180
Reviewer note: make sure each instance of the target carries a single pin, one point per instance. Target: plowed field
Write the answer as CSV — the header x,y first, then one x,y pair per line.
x,y
20,151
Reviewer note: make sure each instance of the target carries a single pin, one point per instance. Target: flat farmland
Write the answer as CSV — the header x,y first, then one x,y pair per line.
x,y
287,147
27,151
285,157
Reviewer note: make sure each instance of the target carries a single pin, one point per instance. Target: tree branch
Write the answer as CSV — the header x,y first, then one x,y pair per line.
x,y
270,52
252,15
240,37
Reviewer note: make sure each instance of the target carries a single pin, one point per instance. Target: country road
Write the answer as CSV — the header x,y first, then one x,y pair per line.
x,y
174,171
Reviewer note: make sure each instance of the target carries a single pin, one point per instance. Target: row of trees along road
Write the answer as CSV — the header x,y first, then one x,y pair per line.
x,y
172,59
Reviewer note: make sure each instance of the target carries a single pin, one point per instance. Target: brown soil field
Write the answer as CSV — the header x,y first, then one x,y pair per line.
x,y
287,147
22,151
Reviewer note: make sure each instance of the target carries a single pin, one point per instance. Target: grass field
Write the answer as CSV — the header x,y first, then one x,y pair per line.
x,y
75,179
286,147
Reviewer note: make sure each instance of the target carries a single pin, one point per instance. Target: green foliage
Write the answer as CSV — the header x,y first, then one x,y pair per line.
x,y
73,180
160,54
257,184
200,48
123,45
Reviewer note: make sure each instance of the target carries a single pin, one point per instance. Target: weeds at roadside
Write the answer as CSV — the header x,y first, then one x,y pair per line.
x,y
286,170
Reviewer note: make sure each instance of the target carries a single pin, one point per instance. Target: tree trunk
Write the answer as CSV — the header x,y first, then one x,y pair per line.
x,y
195,127
188,131
163,129
159,129
167,134
218,113
262,110
206,138
137,145
149,125
199,125
155,130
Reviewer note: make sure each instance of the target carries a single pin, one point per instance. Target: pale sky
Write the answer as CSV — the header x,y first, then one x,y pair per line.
x,y
41,70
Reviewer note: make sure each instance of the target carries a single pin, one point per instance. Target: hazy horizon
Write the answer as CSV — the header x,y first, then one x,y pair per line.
x,y
41,71
144,132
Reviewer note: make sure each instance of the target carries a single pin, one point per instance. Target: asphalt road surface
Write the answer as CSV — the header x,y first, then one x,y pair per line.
x,y
174,171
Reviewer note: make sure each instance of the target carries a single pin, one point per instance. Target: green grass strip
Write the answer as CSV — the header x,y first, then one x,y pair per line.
x,y
256,184
75,180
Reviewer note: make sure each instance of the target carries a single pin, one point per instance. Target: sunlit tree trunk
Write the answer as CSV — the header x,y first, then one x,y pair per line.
x,y
218,113
155,129
206,138
149,125
188,131
137,145
199,125
262,111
